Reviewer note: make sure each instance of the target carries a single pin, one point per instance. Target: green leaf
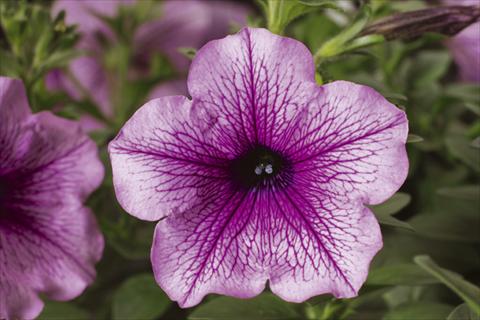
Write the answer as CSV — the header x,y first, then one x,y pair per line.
x,y
188,52
139,298
419,311
400,295
36,41
365,41
384,211
394,222
9,65
475,108
463,312
400,274
341,42
130,237
413,138
55,310
461,148
453,217
466,92
321,3
449,226
459,201
395,96
57,59
368,302
476,143
393,205
314,30
330,308
279,13
263,307
429,67
402,247
468,192
466,290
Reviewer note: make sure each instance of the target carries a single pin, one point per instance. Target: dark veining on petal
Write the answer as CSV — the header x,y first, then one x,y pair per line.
x,y
260,166
20,212
3,197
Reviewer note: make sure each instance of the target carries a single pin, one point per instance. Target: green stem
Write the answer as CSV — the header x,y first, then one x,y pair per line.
x,y
275,10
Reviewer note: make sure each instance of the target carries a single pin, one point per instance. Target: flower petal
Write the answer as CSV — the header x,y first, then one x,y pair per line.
x,y
59,159
254,83
324,245
17,301
89,78
49,242
187,23
465,48
86,14
232,242
14,112
14,106
50,250
182,24
161,159
352,144
211,247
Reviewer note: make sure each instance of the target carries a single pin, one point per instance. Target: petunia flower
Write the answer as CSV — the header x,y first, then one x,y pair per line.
x,y
262,176
188,23
465,47
49,241
87,71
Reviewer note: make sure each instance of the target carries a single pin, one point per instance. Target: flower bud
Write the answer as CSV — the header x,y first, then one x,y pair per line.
x,y
447,20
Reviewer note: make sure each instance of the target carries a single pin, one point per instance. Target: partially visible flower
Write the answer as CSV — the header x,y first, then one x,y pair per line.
x,y
263,176
465,47
49,241
187,23
86,74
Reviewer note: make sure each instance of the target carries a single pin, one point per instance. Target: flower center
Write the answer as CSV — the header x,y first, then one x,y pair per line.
x,y
258,167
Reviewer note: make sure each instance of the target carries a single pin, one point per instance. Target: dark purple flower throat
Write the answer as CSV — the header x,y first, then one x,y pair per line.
x,y
260,166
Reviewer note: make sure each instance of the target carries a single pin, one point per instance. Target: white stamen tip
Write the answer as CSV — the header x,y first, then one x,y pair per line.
x,y
269,169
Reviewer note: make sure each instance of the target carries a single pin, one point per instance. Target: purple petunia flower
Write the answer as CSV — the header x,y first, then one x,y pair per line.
x,y
49,242
262,176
